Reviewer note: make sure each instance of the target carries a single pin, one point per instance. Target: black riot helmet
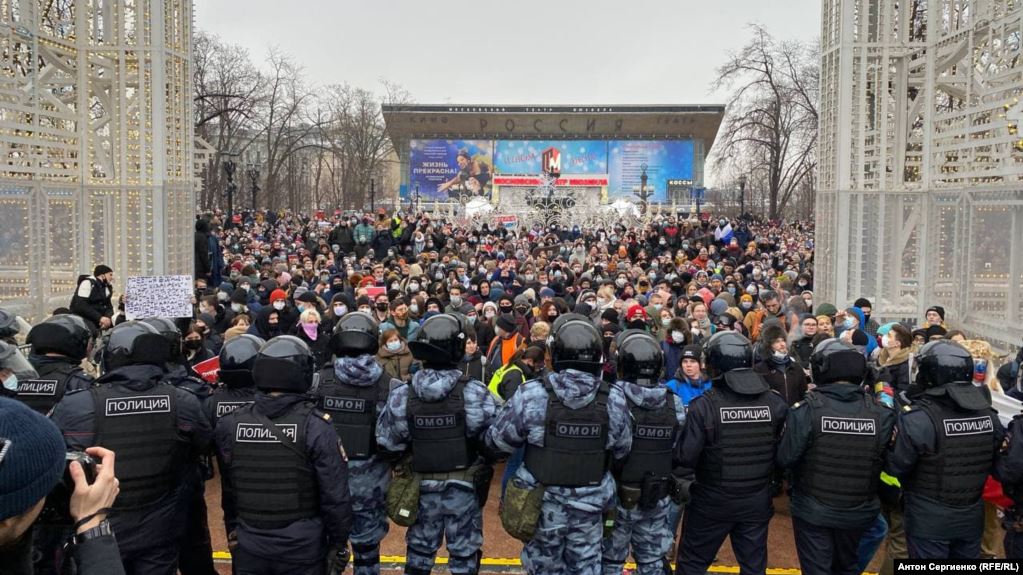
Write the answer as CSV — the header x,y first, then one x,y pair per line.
x,y
65,334
942,362
834,360
564,318
170,332
440,342
577,345
134,343
284,363
725,351
237,358
8,324
356,334
640,359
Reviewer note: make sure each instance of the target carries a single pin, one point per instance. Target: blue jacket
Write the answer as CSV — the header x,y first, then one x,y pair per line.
x,y
688,390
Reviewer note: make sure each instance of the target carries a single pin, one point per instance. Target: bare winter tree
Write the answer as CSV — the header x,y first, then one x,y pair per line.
x,y
771,124
228,92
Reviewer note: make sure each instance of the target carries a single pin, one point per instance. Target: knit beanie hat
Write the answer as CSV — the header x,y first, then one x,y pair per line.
x,y
826,309
278,294
506,321
32,457
100,270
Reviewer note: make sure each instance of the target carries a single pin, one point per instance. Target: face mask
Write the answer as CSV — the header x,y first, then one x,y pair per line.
x,y
340,310
245,287
779,356
731,290
489,314
394,345
472,320
802,284
381,307
413,287
414,308
439,276
745,306
665,321
481,270
848,323
456,300
657,306
809,303
620,282
279,305
662,242
395,285
193,344
364,309
529,277
237,307
677,336
885,340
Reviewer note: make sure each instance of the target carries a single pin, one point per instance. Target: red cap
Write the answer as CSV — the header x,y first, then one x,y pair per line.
x,y
278,294
635,310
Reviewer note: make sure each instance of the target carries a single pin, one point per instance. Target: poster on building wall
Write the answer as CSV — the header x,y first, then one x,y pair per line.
x,y
577,156
449,170
663,160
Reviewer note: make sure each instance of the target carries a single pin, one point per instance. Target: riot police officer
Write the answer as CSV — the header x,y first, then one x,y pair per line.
x,y
943,452
571,425
196,553
731,433
1010,473
283,472
237,359
353,390
834,443
440,417
644,478
59,345
153,427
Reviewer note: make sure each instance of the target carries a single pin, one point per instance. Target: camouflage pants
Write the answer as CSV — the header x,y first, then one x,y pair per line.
x,y
453,514
567,542
369,527
647,531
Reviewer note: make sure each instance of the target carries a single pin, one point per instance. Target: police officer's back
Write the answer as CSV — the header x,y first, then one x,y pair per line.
x,y
834,443
59,345
152,426
283,471
353,389
440,418
942,454
571,425
645,478
730,437
1010,473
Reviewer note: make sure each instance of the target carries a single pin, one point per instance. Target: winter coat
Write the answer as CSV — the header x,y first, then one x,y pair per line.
x,y
788,379
398,364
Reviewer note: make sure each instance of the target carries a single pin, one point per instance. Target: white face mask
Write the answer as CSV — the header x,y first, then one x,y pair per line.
x,y
394,345
665,321
11,383
340,310
279,305
237,307
414,308
456,300
488,314
677,336
413,287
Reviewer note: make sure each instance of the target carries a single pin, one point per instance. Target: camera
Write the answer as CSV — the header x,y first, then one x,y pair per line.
x,y
57,509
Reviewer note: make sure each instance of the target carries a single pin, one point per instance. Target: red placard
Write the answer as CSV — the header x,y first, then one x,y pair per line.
x,y
374,291
208,370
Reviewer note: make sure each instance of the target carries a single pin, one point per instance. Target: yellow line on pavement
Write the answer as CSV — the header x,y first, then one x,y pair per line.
x,y
516,562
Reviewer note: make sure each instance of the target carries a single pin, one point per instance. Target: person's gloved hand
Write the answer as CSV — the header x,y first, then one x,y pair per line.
x,y
337,559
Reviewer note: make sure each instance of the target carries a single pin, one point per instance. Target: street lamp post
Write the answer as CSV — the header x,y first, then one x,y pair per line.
x,y
253,174
742,195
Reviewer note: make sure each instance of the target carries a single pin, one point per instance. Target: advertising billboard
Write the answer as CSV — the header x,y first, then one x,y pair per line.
x,y
524,156
664,160
445,170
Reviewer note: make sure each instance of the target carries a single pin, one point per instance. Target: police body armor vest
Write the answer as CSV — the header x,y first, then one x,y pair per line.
x,y
438,432
42,393
653,441
274,485
842,468
743,456
141,427
955,473
574,452
353,411
227,400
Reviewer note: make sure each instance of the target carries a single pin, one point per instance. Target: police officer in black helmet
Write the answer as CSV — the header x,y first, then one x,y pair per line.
x,y
59,345
238,388
439,419
730,438
353,390
196,553
834,442
645,480
944,449
284,474
153,427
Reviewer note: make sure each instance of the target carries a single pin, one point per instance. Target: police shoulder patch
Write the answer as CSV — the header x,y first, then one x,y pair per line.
x,y
325,416
797,405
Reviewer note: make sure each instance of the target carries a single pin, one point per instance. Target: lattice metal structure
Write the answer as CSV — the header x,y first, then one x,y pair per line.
x,y
96,144
921,161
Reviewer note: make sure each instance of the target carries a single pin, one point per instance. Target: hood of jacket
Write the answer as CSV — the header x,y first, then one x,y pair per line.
x,y
361,371
643,396
576,389
434,384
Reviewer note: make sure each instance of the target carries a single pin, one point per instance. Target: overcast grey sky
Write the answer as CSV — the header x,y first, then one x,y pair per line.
x,y
512,52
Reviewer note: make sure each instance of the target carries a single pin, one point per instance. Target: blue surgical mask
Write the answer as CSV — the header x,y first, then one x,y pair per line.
x,y
11,383
848,323
394,345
